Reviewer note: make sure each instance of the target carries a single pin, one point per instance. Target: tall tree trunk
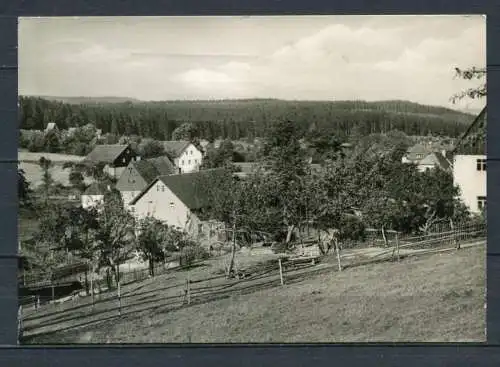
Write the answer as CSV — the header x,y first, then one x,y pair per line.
x,y
337,250
289,233
87,280
151,266
233,252
384,236
320,245
92,270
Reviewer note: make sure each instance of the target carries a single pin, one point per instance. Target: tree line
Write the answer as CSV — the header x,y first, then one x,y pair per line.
x,y
241,119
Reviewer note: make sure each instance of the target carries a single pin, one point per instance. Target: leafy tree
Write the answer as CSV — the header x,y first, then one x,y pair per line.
x,y
116,233
153,240
151,149
23,188
80,238
51,142
186,131
47,180
473,73
77,180
36,142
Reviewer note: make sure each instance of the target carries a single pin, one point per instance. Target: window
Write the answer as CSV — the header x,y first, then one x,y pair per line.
x,y
195,161
481,164
132,209
182,162
189,162
162,188
191,152
481,202
171,204
420,156
124,159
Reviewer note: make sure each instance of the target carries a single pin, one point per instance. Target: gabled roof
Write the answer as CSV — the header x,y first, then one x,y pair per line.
x,y
435,159
106,153
96,188
175,147
151,168
185,186
51,126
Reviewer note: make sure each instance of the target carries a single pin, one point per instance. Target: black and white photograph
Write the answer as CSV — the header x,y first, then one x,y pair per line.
x,y
252,179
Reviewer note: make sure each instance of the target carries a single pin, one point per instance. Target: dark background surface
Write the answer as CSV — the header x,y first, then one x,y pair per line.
x,y
269,355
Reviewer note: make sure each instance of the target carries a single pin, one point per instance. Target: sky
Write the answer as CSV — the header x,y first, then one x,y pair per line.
x,y
286,57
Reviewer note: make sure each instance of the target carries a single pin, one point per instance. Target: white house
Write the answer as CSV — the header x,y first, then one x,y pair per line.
x,y
184,154
177,200
469,174
434,160
94,195
140,173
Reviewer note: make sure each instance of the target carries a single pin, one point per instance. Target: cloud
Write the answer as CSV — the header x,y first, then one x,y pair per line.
x,y
366,60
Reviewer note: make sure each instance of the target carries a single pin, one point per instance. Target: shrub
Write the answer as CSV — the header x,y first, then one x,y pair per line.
x,y
189,254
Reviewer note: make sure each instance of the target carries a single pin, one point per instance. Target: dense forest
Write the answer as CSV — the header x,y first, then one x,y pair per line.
x,y
237,119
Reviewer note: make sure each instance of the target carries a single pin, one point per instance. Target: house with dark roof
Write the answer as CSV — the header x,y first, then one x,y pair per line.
x,y
116,157
139,174
178,200
94,195
185,155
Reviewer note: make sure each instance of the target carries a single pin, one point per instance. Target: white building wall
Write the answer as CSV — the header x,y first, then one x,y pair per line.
x,y
472,183
190,159
159,202
89,201
128,196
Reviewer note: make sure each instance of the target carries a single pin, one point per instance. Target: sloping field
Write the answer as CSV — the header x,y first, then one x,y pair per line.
x,y
34,157
420,299
28,161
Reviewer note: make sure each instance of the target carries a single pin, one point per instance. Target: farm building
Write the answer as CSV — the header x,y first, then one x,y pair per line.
x,y
469,174
115,157
139,174
178,200
184,154
94,195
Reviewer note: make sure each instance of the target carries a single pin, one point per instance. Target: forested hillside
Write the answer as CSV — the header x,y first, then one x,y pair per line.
x,y
236,119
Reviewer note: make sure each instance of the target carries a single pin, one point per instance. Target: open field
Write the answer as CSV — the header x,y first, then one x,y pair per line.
x,y
438,297
24,156
28,161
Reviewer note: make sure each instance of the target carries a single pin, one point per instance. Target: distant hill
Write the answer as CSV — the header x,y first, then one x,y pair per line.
x,y
89,100
240,118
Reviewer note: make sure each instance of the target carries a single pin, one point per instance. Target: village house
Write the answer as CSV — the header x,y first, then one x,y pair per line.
x,y
184,154
469,174
434,160
416,153
140,173
177,200
115,157
94,195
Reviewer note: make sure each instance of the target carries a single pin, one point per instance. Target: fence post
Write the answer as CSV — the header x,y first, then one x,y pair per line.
x,y
53,293
188,285
19,324
397,245
281,271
